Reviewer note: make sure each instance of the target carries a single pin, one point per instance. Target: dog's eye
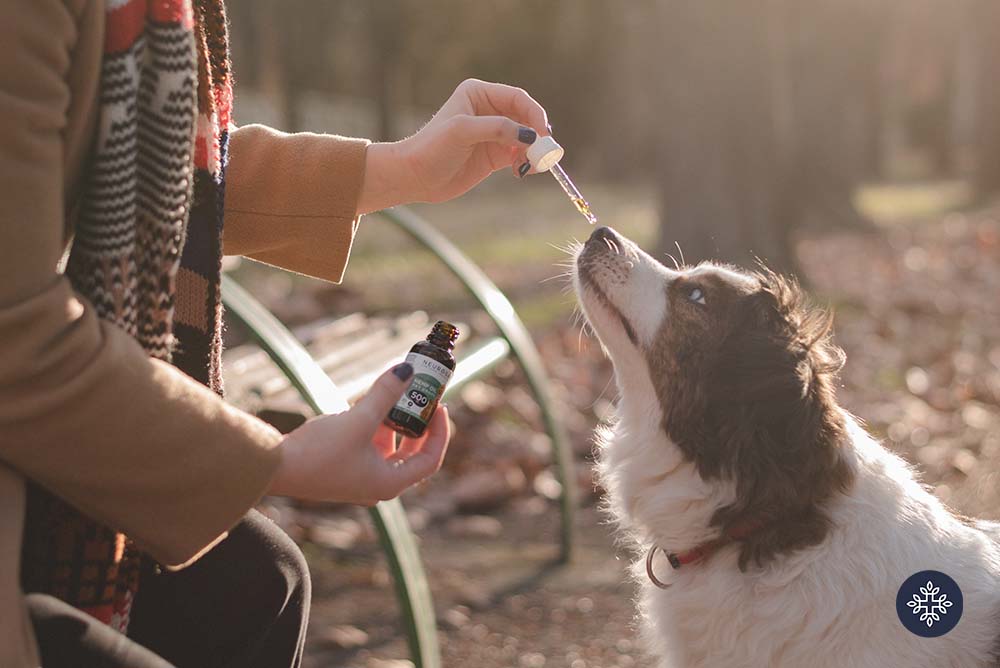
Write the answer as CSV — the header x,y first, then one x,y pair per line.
x,y
697,296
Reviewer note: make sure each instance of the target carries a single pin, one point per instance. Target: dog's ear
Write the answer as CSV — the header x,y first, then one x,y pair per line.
x,y
778,431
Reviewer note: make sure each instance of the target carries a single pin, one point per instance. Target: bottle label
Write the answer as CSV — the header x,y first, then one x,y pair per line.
x,y
426,388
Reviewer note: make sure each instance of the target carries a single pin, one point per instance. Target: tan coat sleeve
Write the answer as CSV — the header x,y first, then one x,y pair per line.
x,y
291,199
83,411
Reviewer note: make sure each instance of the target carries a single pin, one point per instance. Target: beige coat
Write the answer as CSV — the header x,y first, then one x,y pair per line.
x,y
84,412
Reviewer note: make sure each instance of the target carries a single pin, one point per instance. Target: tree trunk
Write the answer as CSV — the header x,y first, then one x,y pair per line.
x,y
276,75
386,20
834,57
986,36
722,165
771,113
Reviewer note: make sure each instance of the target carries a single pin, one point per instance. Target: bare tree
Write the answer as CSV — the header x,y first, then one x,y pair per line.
x,y
386,24
985,33
723,165
770,118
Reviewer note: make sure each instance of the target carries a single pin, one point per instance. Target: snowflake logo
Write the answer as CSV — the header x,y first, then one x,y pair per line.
x,y
930,603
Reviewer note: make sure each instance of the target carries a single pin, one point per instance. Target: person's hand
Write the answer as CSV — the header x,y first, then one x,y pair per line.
x,y
482,127
352,457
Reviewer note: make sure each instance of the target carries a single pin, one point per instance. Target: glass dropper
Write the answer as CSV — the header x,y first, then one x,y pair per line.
x,y
544,155
571,191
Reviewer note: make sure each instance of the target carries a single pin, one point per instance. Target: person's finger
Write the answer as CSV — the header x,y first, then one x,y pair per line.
x,y
384,393
428,457
520,165
384,441
503,100
471,130
408,446
498,156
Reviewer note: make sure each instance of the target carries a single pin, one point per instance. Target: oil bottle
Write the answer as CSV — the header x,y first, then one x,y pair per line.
x,y
433,363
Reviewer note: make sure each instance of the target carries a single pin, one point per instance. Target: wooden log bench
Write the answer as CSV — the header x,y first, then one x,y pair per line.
x,y
325,365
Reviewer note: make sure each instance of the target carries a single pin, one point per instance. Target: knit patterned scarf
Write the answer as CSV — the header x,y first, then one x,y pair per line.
x,y
147,252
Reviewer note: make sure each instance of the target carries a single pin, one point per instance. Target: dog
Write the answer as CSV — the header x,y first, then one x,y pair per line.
x,y
772,529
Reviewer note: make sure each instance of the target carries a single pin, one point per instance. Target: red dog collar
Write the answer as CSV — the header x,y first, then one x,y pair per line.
x,y
699,552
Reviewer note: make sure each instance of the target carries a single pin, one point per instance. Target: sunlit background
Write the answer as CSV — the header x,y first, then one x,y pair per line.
x,y
855,143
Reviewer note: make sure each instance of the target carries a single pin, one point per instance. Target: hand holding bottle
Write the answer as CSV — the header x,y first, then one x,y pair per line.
x,y
351,457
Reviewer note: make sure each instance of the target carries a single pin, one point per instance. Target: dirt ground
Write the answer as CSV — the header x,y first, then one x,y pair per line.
x,y
500,598
918,313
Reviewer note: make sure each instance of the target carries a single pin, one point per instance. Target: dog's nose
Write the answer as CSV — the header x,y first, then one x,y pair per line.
x,y
602,233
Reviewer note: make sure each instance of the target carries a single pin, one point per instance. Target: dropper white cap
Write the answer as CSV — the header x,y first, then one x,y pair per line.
x,y
544,153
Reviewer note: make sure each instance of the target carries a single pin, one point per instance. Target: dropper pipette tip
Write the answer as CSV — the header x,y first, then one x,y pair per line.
x,y
573,193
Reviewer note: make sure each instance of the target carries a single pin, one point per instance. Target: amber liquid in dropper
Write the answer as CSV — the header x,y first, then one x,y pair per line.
x,y
584,208
574,195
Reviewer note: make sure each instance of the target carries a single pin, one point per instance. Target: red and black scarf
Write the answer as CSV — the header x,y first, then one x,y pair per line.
x,y
147,251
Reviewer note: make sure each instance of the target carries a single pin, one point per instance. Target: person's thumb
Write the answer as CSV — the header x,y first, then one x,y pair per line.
x,y
385,392
497,129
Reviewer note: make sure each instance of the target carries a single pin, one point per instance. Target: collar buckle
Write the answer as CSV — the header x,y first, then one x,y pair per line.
x,y
649,566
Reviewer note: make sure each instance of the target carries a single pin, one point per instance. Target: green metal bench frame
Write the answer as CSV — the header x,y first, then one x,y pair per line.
x,y
323,396
516,334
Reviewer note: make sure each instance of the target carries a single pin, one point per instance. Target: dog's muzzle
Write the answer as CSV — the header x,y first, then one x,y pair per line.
x,y
603,240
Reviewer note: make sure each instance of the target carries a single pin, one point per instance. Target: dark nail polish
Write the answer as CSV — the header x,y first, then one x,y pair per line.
x,y
523,169
526,136
403,371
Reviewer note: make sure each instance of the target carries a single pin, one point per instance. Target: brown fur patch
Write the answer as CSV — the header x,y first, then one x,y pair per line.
x,y
746,383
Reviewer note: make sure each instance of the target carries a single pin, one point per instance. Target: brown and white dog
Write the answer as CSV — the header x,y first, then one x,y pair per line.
x,y
789,530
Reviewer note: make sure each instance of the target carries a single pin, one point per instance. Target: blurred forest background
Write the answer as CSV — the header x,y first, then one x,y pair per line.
x,y
752,118
853,142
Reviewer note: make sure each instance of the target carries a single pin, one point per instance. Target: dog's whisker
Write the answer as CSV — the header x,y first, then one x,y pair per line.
x,y
564,275
680,252
569,248
600,396
677,265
